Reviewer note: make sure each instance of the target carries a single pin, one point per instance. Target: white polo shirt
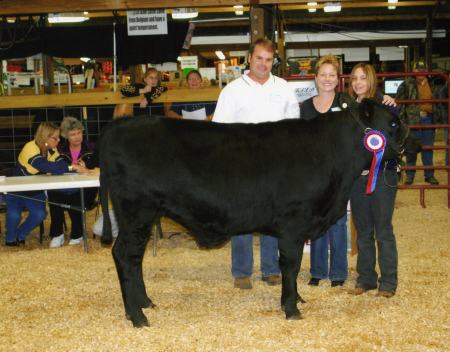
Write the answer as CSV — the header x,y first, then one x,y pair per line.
x,y
244,100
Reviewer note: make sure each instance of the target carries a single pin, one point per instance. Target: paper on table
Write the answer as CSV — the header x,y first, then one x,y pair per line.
x,y
194,115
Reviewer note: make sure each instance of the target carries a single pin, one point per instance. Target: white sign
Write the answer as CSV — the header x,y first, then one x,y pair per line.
x,y
304,89
167,66
188,62
147,22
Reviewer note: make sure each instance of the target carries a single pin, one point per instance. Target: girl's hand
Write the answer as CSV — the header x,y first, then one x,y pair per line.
x,y
387,100
143,103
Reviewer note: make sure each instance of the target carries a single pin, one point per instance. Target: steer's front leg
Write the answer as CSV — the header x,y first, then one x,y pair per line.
x,y
290,265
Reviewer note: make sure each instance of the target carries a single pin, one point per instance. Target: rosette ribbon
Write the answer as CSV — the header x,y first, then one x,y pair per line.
x,y
375,142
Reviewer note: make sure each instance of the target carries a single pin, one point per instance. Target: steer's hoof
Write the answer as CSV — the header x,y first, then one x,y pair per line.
x,y
141,323
106,244
138,323
295,316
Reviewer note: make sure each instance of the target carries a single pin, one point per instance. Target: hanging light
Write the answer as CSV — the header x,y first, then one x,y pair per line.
x,y
392,2
312,3
238,9
332,7
69,17
183,13
220,55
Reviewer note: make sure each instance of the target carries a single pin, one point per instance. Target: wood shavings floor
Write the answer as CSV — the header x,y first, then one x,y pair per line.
x,y
65,300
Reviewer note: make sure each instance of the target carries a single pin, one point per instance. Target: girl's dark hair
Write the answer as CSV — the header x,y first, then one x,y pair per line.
x,y
193,72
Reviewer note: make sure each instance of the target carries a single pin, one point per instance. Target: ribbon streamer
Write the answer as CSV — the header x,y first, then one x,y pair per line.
x,y
375,142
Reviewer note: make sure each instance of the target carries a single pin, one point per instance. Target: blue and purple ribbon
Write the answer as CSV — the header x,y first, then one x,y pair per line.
x,y
375,142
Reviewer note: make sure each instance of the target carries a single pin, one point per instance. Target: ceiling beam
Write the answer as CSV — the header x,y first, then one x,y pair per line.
x,y
25,7
364,18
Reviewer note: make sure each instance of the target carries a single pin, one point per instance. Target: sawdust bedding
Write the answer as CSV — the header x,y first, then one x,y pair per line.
x,y
66,300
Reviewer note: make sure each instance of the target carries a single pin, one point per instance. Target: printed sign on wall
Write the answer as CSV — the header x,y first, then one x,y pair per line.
x,y
147,22
303,89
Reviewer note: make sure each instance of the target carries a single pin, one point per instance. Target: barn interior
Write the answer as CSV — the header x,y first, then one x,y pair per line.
x,y
68,300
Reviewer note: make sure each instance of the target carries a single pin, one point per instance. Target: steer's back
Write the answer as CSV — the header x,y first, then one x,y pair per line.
x,y
221,179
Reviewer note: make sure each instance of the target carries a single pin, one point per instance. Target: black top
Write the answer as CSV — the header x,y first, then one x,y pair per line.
x,y
308,111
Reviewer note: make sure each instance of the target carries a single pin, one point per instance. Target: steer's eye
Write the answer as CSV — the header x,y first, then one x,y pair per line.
x,y
393,124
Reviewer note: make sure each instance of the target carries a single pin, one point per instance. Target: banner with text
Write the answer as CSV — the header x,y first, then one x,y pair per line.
x,y
147,22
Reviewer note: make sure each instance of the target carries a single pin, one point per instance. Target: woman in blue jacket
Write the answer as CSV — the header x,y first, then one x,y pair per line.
x,y
38,156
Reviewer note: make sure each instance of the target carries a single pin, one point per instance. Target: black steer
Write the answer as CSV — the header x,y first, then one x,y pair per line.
x,y
290,179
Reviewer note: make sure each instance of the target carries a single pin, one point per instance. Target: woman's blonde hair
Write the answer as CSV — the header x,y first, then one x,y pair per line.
x,y
328,59
45,130
369,71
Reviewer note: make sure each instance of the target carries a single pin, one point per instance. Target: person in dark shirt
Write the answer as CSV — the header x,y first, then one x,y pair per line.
x,y
196,110
372,214
327,76
74,151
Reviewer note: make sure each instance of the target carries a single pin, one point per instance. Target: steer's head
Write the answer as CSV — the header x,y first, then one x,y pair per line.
x,y
376,116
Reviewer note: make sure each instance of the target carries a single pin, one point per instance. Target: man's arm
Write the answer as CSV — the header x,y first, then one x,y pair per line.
x,y
224,109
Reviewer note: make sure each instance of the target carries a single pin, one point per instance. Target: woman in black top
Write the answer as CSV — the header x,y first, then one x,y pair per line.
x,y
327,76
372,214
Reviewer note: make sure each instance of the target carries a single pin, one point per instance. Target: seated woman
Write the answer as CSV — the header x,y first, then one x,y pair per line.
x,y
38,156
74,151
193,111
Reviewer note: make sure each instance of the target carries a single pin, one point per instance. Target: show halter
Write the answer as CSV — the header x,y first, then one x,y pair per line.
x,y
375,142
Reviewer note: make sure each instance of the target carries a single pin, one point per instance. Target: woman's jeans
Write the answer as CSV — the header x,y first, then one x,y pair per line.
x,y
336,238
372,216
14,208
242,255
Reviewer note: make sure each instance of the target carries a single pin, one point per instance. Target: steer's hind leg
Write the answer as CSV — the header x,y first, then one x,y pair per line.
x,y
290,258
128,252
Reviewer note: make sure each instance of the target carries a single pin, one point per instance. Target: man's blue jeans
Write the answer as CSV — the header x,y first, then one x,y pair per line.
x,y
242,255
14,208
426,137
336,237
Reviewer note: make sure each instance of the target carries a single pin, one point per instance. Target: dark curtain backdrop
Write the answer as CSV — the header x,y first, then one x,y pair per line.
x,y
97,41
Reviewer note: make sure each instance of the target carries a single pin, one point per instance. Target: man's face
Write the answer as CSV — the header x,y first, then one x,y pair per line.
x,y
261,62
420,78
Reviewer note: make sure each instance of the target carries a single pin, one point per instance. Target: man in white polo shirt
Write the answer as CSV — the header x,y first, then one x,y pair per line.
x,y
256,97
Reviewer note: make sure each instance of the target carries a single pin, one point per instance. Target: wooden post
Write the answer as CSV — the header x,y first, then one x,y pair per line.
x,y
256,23
281,45
47,68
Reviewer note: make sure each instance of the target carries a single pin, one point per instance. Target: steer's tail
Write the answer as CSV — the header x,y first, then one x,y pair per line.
x,y
106,238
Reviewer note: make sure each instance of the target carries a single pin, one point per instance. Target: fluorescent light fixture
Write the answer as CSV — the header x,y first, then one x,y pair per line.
x,y
238,9
183,13
66,17
403,46
220,55
332,7
312,3
392,2
85,59
11,20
